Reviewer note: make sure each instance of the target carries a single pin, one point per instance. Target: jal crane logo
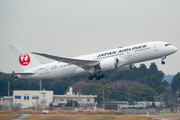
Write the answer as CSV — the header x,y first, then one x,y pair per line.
x,y
24,59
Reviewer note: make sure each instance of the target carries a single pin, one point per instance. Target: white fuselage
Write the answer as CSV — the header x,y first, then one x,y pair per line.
x,y
130,54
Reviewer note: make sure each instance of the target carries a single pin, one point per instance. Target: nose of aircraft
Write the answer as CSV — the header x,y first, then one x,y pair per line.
x,y
170,49
174,49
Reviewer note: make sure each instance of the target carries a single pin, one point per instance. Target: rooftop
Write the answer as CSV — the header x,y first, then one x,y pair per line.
x,y
6,97
75,96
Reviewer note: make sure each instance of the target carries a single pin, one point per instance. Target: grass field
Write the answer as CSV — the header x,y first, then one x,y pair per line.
x,y
84,112
87,117
8,116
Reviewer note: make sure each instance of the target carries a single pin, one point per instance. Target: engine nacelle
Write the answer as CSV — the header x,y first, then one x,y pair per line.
x,y
109,64
125,67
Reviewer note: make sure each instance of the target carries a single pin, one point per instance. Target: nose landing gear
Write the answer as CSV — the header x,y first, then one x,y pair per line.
x,y
163,62
90,77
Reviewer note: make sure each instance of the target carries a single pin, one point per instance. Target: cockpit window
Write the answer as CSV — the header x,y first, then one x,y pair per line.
x,y
168,44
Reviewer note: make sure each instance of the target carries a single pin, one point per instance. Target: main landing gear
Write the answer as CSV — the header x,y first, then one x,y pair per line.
x,y
163,62
98,77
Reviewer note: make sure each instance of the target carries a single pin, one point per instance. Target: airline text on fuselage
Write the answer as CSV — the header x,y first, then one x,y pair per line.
x,y
123,50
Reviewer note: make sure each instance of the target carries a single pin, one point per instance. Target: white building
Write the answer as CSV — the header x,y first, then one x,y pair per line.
x,y
125,104
149,103
1,100
42,99
6,102
29,98
63,99
84,101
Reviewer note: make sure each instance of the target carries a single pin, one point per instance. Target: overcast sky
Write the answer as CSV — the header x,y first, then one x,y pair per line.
x,y
74,27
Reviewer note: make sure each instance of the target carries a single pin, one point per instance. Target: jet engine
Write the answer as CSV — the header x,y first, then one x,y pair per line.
x,y
109,64
125,67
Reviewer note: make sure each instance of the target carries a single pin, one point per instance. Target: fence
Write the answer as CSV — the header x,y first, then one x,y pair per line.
x,y
150,111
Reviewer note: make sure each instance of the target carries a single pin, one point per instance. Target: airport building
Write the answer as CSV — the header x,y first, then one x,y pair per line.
x,y
6,102
117,105
1,100
84,101
42,99
30,98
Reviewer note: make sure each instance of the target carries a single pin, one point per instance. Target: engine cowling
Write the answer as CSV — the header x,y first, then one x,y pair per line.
x,y
109,64
125,67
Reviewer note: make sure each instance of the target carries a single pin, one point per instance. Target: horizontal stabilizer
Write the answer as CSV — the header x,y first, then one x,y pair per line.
x,y
18,74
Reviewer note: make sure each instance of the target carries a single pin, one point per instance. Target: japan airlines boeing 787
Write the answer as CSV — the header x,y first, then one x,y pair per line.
x,y
120,59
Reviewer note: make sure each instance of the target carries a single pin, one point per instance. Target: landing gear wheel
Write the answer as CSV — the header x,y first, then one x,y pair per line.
x,y
90,77
98,78
162,62
94,76
102,76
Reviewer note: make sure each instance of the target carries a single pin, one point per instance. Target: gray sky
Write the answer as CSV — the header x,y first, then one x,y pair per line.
x,y
74,27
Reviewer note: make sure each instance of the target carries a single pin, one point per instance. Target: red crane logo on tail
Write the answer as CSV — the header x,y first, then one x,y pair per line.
x,y
24,59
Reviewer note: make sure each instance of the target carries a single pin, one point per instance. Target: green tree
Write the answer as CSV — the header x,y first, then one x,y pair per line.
x,y
85,88
175,84
130,75
152,69
155,78
153,81
121,87
143,69
58,87
107,89
165,83
141,91
141,74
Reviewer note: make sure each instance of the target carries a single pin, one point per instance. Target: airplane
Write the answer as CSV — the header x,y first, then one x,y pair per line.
x,y
120,59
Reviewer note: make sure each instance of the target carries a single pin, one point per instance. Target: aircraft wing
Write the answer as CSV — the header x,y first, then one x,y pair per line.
x,y
79,62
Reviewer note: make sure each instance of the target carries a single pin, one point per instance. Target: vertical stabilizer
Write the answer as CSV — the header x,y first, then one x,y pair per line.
x,y
26,60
